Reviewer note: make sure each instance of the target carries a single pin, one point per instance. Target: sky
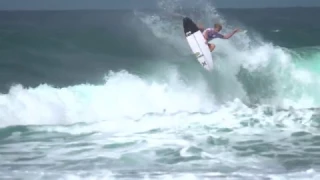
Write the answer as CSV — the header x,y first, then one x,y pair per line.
x,y
134,4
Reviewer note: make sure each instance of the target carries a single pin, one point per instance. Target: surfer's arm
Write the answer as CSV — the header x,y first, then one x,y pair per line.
x,y
230,35
205,35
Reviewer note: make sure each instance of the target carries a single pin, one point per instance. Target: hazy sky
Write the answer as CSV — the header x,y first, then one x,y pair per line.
x,y
107,4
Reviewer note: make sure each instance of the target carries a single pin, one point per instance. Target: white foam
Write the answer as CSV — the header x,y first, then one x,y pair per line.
x,y
122,96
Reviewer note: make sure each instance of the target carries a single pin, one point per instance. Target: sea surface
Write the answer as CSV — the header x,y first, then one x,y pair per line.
x,y
117,94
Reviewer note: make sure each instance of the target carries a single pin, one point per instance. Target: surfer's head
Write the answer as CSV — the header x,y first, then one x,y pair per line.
x,y
217,27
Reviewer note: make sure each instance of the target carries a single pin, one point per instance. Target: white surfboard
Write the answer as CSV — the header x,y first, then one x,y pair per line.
x,y
197,43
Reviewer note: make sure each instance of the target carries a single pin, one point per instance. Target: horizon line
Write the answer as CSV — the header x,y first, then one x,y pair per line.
x,y
99,9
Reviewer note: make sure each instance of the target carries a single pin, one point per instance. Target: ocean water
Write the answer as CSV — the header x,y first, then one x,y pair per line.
x,y
115,94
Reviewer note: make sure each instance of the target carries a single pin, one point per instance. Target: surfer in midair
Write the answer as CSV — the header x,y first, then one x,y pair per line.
x,y
209,33
212,33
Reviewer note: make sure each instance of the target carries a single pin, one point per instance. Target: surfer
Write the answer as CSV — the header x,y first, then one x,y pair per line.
x,y
209,33
212,33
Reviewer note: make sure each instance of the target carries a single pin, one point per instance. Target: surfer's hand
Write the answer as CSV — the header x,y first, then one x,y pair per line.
x,y
236,30
200,27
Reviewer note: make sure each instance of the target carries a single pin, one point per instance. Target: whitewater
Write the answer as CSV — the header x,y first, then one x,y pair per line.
x,y
251,118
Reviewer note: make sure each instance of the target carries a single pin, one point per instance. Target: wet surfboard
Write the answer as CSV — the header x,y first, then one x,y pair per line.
x,y
197,43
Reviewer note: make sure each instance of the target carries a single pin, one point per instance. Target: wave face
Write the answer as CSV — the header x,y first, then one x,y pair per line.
x,y
118,95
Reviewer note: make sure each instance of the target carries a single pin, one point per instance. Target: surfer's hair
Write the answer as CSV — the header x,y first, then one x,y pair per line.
x,y
218,26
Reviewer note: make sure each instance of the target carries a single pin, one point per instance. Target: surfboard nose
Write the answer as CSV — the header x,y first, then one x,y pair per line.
x,y
186,22
189,26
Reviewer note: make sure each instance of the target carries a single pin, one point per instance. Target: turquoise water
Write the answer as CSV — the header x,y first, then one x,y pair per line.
x,y
84,97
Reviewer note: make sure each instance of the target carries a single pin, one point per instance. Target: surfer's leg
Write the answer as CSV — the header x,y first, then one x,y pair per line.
x,y
211,47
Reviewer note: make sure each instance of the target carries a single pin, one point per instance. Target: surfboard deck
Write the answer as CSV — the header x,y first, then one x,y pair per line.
x,y
197,43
